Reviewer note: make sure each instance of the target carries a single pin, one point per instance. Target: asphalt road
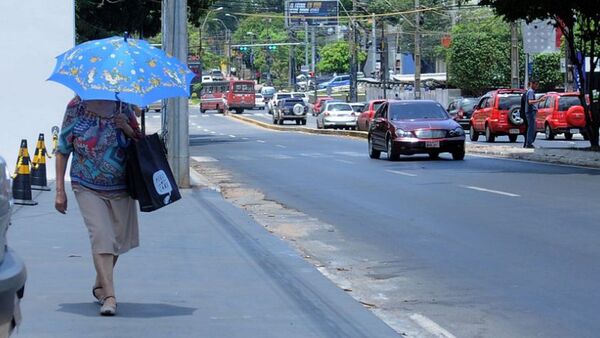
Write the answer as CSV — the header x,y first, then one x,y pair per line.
x,y
480,248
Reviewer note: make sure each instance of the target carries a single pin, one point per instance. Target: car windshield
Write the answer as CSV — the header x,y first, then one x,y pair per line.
x,y
292,102
268,90
417,111
357,107
377,105
283,96
508,100
467,104
339,107
243,88
299,95
259,96
566,102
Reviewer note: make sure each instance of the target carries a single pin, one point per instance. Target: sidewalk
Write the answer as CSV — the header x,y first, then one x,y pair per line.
x,y
204,269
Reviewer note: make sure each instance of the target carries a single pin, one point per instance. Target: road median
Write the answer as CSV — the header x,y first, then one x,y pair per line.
x,y
566,156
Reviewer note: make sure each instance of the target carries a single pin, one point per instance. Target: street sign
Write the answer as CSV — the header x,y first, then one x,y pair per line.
x,y
314,13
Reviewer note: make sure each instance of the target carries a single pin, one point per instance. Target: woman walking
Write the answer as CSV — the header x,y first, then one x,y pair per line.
x,y
97,132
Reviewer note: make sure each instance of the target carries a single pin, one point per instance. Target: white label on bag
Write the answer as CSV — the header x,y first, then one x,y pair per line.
x,y
161,183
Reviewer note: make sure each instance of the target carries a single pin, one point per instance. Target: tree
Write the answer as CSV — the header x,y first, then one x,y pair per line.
x,y
578,20
546,68
96,19
335,58
480,45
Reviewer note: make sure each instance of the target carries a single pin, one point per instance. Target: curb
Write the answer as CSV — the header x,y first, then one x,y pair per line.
x,y
566,156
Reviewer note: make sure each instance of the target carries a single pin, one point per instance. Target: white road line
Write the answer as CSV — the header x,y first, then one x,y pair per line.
x,y
401,173
199,127
194,115
490,191
260,141
232,136
344,161
194,124
431,326
245,138
350,153
204,159
156,116
278,156
221,134
280,146
213,132
206,130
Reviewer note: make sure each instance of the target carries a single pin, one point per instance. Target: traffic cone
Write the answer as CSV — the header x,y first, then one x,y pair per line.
x,y
21,188
38,169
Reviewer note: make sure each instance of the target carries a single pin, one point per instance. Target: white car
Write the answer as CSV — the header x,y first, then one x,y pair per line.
x,y
207,78
303,96
277,96
336,114
259,101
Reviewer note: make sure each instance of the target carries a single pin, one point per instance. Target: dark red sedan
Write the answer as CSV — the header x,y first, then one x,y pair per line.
x,y
365,118
415,127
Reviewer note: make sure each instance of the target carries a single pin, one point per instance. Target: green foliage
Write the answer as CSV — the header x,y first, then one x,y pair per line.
x,y
546,68
96,19
479,56
335,58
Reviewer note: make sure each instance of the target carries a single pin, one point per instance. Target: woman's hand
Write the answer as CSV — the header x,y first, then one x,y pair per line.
x,y
122,122
60,203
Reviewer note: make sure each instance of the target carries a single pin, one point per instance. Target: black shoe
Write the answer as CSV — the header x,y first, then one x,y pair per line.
x,y
530,146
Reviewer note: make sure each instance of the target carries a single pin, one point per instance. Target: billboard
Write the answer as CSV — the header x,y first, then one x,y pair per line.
x,y
315,13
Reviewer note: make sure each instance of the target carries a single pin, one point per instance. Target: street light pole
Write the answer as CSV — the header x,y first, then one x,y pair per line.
x,y
252,73
228,42
417,87
200,60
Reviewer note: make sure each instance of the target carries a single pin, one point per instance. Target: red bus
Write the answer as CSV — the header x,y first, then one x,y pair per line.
x,y
213,96
241,95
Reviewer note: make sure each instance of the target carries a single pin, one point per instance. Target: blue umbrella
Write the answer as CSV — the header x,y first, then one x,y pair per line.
x,y
123,69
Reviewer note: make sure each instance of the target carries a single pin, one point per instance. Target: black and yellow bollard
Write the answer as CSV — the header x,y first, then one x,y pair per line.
x,y
38,168
21,187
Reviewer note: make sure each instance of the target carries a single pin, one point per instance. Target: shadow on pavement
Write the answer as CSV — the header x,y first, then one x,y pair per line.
x,y
129,310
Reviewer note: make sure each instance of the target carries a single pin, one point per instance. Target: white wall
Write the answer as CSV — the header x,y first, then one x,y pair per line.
x,y
32,34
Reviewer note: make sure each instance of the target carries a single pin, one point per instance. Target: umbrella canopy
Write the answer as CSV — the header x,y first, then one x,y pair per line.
x,y
123,69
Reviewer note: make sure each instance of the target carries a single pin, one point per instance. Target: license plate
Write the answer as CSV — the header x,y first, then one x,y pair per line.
x,y
432,144
574,131
514,131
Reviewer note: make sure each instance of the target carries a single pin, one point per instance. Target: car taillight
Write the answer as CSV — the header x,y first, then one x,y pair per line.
x,y
326,113
460,114
353,114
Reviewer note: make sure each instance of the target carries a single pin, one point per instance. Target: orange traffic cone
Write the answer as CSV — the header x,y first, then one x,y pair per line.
x,y
38,169
21,188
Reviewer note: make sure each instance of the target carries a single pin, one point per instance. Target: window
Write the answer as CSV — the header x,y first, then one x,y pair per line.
x,y
379,111
242,87
417,111
566,102
506,101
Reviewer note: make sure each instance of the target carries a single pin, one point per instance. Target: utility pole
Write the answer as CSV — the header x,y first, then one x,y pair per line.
x,y
514,56
417,88
353,58
373,43
383,61
177,137
306,43
314,49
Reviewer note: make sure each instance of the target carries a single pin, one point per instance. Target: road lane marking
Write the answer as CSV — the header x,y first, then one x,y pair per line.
x,y
245,138
431,326
349,153
194,124
232,136
156,116
194,115
213,132
490,191
280,146
278,156
204,159
401,173
344,161
260,141
206,130
314,155
221,134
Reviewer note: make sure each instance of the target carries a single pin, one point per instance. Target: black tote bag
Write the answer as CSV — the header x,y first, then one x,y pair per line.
x,y
149,177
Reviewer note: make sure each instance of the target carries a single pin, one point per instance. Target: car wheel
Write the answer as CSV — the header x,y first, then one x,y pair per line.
x,y
367,125
280,121
298,122
304,122
392,154
202,111
585,136
548,132
514,116
489,137
372,152
434,156
512,138
568,136
473,135
274,120
458,155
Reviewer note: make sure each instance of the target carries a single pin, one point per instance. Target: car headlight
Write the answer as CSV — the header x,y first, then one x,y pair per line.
x,y
403,133
456,132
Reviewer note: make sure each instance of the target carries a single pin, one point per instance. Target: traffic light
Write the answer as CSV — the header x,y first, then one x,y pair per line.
x,y
272,47
243,49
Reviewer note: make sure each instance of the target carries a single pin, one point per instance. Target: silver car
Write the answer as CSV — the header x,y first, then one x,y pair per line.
x,y
336,114
12,269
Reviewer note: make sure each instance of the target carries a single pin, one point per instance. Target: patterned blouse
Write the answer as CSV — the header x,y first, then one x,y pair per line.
x,y
98,147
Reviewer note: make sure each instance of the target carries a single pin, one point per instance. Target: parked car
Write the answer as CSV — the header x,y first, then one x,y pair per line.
x,y
207,78
358,107
302,96
316,107
290,109
560,113
461,110
336,114
276,97
366,116
259,101
415,127
336,81
12,268
216,75
498,113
